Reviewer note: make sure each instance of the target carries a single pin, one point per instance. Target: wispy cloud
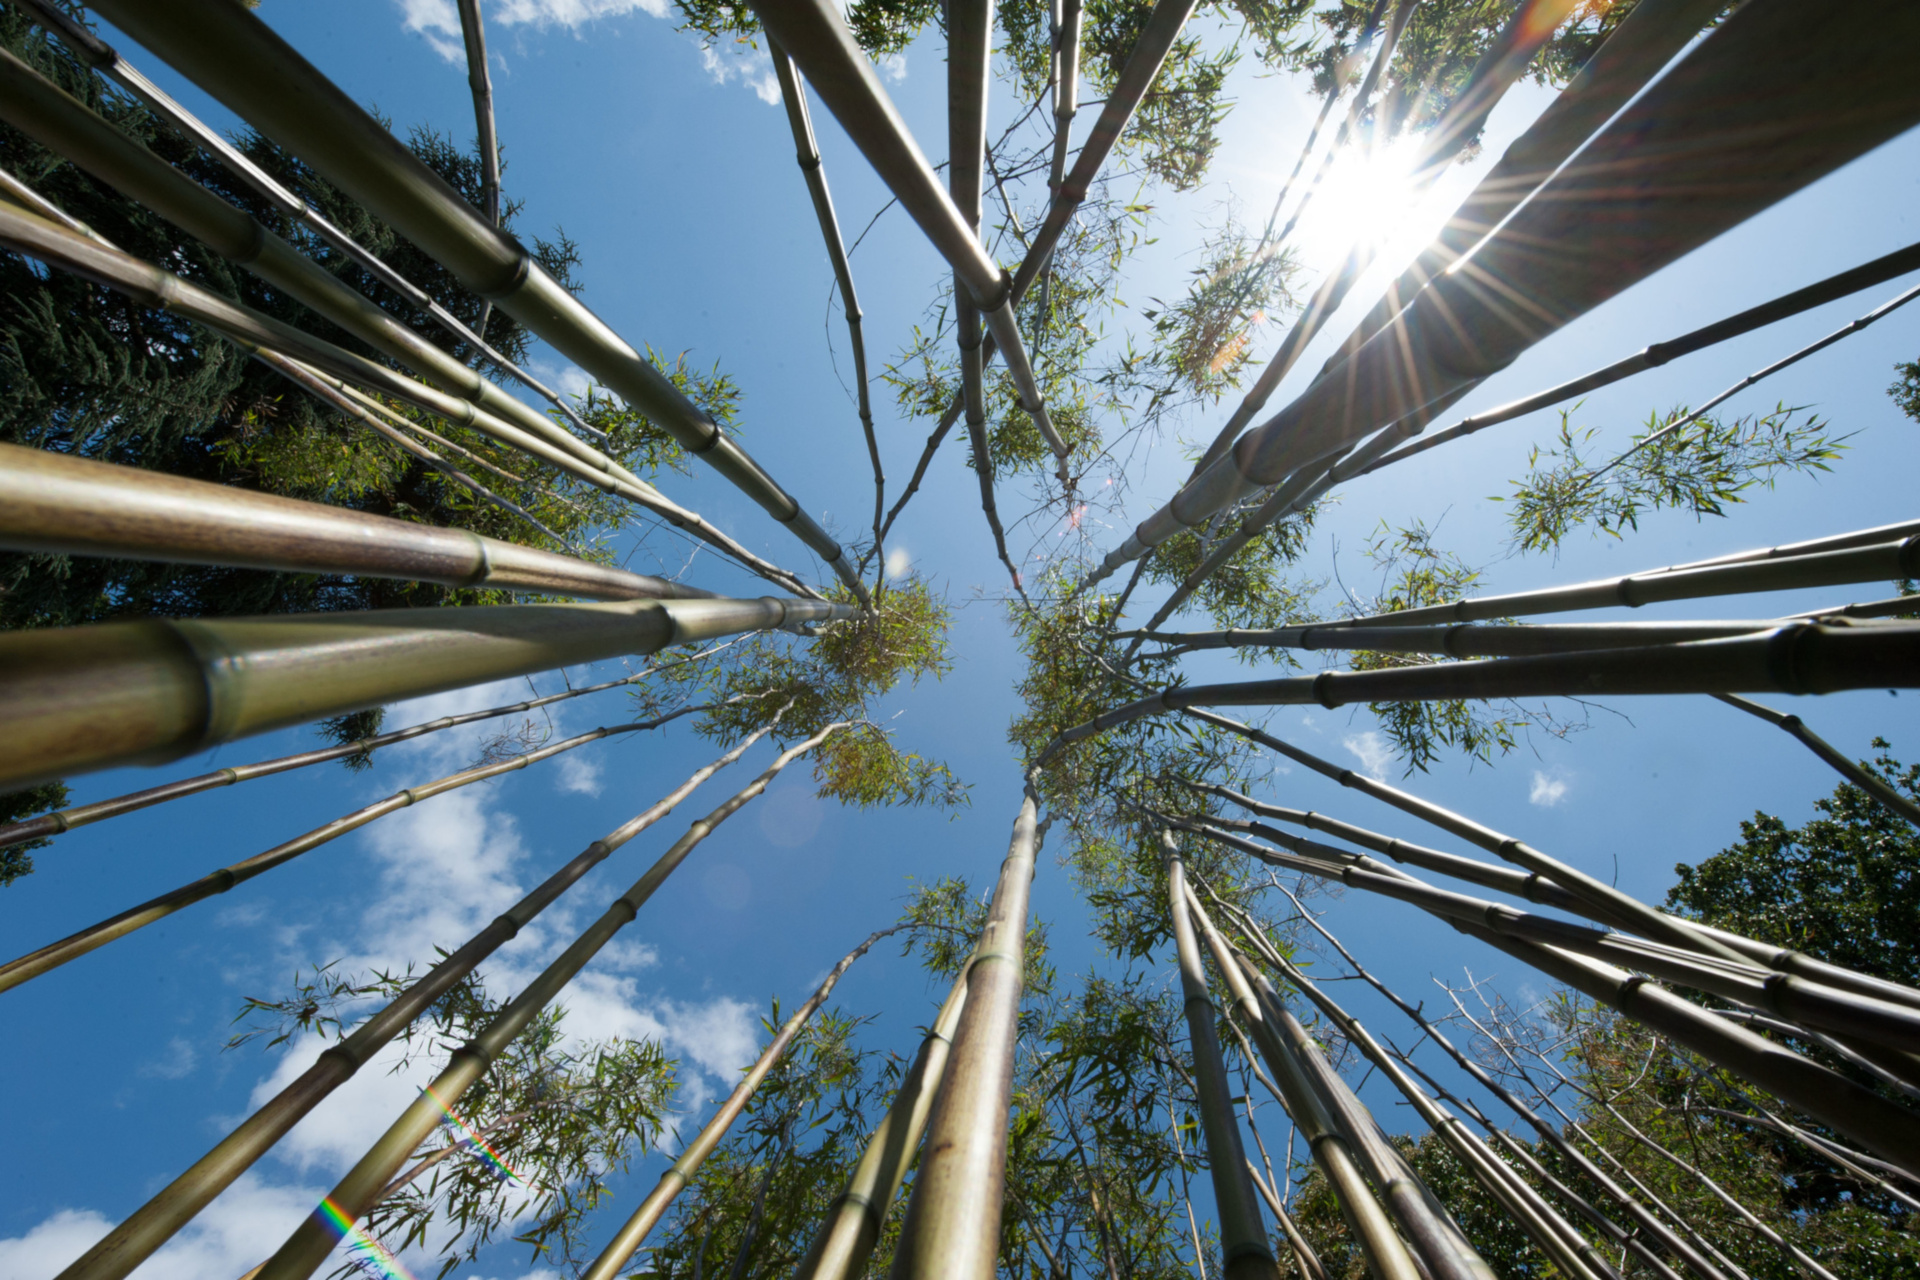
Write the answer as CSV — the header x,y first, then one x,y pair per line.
x,y
1372,750
177,1062
899,563
1546,791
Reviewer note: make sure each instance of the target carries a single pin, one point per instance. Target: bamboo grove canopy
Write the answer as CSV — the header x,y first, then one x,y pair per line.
x,y
443,519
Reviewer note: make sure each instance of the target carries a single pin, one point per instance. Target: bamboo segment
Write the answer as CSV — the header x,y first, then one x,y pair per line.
x,y
1865,276
63,820
104,59
1460,640
1868,782
816,37
236,57
857,1216
952,1226
473,33
1386,1254
52,956
136,1239
58,502
627,1241
1661,179
1644,1219
1243,1242
807,151
1066,91
356,1192
83,698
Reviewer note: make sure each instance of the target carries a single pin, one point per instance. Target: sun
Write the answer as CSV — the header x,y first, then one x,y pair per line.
x,y
1367,197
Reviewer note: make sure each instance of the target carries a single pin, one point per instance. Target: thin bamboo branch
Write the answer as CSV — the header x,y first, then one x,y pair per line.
x,y
64,820
1510,297
52,502
84,698
1243,1243
1644,1219
858,1214
154,1223
474,34
807,152
1459,640
627,1241
952,1223
35,963
1066,89
235,56
103,58
308,1246
1868,782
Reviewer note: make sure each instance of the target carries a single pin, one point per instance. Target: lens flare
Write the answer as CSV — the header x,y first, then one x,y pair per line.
x,y
370,1255
472,1139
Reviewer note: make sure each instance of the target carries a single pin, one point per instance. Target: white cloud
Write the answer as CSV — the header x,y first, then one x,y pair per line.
x,y
1546,791
178,1061
1373,752
893,67
438,22
576,773
899,563
751,67
233,1235
569,379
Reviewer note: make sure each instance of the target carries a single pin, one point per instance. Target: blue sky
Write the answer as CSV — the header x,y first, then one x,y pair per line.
x,y
674,173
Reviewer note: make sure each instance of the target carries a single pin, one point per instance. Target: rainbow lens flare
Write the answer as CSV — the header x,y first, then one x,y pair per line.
x,y
369,1254
472,1139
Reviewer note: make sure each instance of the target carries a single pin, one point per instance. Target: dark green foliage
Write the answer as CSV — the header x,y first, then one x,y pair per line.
x,y
353,727
1844,887
1701,469
16,860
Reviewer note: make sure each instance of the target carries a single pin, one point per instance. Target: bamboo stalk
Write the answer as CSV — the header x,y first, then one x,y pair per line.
x,y
356,1191
473,34
78,699
952,1224
855,1219
1066,89
104,59
816,37
255,333
236,57
1644,1219
1868,782
807,151
1387,1255
627,1241
1548,877
1459,640
136,1239
39,108
61,821
1243,1243
53,502
35,963
1879,271
1624,203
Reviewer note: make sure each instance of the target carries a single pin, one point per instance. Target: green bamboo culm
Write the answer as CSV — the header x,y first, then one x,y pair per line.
x,y
356,1192
627,1241
952,1224
92,697
1245,1254
156,1222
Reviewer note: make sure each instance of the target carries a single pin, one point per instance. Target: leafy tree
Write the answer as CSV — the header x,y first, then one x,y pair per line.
x,y
16,859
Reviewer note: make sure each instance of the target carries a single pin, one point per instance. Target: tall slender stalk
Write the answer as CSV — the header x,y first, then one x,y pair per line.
x,y
1867,781
473,34
230,52
154,1223
311,1241
1243,1242
84,698
627,1241
31,965
854,1220
952,1223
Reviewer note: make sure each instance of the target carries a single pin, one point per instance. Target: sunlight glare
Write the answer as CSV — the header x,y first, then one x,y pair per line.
x,y
1366,198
